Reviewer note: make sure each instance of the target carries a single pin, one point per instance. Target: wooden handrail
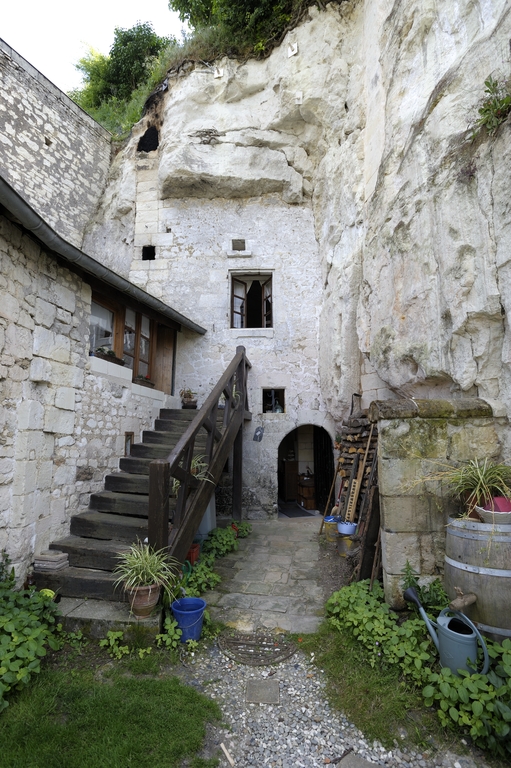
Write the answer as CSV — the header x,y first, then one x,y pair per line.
x,y
193,495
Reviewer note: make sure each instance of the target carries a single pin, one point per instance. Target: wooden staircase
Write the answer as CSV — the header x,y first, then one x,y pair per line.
x,y
117,516
136,503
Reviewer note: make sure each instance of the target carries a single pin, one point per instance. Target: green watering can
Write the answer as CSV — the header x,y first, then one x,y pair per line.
x,y
455,639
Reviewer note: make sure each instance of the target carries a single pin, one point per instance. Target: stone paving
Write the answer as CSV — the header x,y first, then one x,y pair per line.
x,y
272,581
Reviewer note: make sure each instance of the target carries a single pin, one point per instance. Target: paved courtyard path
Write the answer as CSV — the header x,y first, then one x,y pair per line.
x,y
273,580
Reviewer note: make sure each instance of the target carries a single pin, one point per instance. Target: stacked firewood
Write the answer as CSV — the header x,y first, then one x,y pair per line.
x,y
357,459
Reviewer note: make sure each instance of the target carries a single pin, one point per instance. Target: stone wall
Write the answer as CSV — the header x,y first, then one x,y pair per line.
x,y
417,439
53,154
63,415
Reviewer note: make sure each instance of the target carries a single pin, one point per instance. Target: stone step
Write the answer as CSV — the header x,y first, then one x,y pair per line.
x,y
178,414
136,504
101,525
125,482
150,450
81,582
99,554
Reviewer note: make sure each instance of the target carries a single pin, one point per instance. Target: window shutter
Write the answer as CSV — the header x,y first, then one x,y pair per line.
x,y
267,305
238,303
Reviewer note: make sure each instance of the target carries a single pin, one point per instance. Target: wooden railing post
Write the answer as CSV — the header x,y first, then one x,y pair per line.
x,y
159,490
237,474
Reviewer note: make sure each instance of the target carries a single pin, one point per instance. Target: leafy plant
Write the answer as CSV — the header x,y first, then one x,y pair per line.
x,y
432,596
480,704
112,643
496,106
141,566
27,626
243,528
201,578
171,637
220,542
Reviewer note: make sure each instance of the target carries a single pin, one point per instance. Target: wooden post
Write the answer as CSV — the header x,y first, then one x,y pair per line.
x,y
237,474
159,490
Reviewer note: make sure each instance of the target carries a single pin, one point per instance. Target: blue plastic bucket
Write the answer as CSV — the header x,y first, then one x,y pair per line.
x,y
189,614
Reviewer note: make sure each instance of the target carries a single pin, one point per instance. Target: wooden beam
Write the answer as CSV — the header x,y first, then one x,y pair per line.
x,y
237,475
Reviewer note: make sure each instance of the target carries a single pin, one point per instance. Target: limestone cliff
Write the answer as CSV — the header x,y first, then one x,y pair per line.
x,y
367,126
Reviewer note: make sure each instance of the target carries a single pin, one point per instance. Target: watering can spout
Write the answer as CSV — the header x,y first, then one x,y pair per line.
x,y
411,596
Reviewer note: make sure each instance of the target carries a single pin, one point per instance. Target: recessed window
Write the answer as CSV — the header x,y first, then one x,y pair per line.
x,y
101,328
149,141
142,343
129,439
148,252
273,401
251,301
238,245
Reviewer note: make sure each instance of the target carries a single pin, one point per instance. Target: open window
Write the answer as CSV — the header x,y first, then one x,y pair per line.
x,y
251,301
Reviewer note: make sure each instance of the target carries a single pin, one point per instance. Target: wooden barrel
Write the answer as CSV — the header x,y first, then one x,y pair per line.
x,y
478,560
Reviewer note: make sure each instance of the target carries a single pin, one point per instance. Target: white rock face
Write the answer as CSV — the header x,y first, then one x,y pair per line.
x,y
359,146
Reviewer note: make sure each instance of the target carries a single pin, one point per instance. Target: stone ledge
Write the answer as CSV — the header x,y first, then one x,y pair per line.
x,y
464,408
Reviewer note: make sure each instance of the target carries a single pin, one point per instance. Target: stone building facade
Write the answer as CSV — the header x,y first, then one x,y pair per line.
x,y
338,177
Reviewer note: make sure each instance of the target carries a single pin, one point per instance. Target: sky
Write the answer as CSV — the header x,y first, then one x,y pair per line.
x,y
52,35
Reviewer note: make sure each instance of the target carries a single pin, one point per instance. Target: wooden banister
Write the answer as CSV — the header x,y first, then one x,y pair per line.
x,y
194,495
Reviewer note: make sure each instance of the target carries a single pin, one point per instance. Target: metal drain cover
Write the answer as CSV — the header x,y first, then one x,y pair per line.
x,y
255,650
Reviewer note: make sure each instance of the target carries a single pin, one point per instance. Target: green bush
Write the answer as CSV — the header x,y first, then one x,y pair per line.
x,y
220,542
478,704
27,626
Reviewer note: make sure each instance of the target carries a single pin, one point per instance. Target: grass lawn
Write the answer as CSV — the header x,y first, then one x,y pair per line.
x,y
80,714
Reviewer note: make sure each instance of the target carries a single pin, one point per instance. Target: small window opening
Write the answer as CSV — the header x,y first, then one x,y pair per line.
x,y
47,141
148,253
129,439
149,141
273,401
238,245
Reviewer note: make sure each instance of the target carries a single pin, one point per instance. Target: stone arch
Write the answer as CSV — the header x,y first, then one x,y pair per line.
x,y
305,467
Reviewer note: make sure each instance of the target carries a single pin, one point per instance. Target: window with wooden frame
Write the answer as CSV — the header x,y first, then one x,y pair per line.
x,y
138,343
251,301
146,344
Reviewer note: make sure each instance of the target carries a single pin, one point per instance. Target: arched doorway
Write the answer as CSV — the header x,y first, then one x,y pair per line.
x,y
305,470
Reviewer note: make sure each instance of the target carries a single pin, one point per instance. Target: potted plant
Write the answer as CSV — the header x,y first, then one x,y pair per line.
x,y
476,483
105,353
143,572
144,381
188,398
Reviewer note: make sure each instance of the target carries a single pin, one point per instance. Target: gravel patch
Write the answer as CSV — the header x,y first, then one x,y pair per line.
x,y
302,731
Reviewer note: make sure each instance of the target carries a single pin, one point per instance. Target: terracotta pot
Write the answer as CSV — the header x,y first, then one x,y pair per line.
x,y
143,600
189,404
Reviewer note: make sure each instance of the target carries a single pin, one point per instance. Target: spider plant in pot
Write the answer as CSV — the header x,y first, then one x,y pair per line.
x,y
199,468
144,572
477,483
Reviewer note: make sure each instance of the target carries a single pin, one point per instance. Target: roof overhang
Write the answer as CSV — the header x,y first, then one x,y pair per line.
x,y
23,213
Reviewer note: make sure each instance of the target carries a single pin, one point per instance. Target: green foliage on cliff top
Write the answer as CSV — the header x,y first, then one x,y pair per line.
x,y
117,86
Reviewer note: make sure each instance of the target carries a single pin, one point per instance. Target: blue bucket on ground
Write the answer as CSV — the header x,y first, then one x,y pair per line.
x,y
189,614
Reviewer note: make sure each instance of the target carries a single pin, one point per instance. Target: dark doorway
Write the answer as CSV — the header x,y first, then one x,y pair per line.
x,y
305,469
